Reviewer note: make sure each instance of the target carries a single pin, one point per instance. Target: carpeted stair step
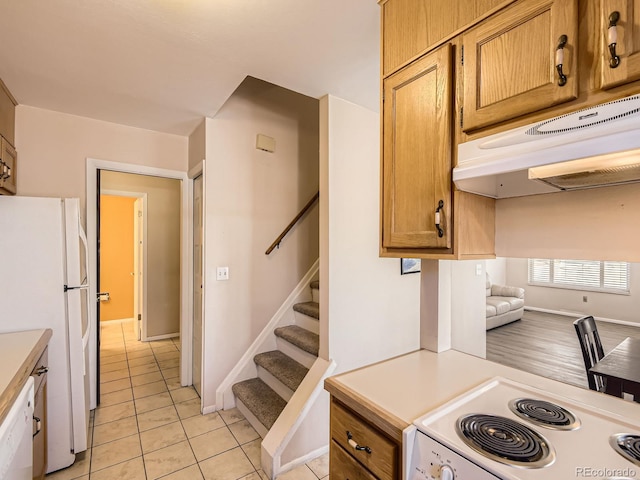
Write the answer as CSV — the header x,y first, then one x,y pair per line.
x,y
301,338
310,309
315,290
289,372
260,400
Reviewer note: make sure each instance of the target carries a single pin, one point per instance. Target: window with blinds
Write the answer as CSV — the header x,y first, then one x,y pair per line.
x,y
598,276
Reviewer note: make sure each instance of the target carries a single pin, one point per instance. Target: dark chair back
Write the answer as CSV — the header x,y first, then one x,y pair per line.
x,y
592,351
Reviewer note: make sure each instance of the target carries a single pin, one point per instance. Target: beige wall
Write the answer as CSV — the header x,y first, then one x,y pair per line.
x,y
373,311
163,246
197,144
251,196
53,148
594,224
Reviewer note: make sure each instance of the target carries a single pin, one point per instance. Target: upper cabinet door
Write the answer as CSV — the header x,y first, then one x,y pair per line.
x,y
410,27
416,162
620,33
511,61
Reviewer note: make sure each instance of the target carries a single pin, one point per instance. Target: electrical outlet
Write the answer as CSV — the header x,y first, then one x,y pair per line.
x,y
584,298
222,273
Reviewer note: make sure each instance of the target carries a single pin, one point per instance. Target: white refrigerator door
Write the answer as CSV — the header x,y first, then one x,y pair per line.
x,y
32,297
78,322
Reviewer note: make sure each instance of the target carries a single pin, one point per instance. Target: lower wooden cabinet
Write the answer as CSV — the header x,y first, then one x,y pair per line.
x,y
39,375
344,466
358,449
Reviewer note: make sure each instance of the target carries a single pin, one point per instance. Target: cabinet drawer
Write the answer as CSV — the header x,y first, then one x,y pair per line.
x,y
344,467
381,456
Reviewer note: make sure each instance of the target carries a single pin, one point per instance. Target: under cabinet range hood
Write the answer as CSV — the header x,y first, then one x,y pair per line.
x,y
593,147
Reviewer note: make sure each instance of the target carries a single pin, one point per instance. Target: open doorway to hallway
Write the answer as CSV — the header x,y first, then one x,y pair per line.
x,y
154,277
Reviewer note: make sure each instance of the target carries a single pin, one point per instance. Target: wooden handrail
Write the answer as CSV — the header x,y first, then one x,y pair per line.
x,y
304,210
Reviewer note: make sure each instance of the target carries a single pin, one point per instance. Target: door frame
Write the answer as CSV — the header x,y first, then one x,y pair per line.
x,y
196,171
186,293
140,298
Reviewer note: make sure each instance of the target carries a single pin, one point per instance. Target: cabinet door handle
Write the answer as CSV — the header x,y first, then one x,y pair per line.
x,y
438,222
612,39
562,42
41,371
355,445
38,425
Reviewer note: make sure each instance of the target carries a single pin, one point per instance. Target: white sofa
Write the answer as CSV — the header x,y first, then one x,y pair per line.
x,y
504,304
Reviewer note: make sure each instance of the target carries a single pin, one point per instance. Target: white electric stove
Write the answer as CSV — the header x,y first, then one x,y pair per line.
x,y
506,430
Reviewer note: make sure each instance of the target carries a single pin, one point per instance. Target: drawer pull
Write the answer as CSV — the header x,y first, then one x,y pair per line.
x,y
355,445
41,371
38,425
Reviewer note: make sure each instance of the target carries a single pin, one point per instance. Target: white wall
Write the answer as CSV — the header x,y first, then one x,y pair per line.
x,y
250,197
53,148
603,305
373,312
497,270
468,306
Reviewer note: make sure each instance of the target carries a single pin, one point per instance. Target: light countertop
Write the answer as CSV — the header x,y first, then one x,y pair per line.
x,y
401,389
19,352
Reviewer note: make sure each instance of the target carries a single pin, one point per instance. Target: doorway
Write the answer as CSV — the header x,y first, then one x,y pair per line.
x,y
97,171
122,259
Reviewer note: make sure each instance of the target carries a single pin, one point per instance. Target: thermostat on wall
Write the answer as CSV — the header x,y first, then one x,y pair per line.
x,y
268,144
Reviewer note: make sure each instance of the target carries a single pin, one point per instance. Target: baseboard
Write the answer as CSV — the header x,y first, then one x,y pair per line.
x,y
117,320
304,459
209,409
567,313
161,337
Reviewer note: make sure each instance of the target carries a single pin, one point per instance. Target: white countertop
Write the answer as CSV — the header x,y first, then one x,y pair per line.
x,y
411,385
18,353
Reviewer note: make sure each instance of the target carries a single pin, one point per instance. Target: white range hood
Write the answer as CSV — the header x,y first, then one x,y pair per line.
x,y
593,147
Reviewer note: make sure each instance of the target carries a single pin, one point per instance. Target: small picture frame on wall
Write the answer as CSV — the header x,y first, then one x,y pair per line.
x,y
409,265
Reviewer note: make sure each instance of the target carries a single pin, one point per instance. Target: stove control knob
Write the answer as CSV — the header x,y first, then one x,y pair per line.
x,y
446,473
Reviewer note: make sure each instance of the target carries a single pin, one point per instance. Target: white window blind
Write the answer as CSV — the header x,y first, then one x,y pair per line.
x,y
599,276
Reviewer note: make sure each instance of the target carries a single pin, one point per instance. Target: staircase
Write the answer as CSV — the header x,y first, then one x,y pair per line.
x,y
281,371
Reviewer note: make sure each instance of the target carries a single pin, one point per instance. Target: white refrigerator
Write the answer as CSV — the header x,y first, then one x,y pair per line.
x,y
44,284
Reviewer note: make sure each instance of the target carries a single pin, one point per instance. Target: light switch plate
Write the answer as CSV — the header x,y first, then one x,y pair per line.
x,y
222,273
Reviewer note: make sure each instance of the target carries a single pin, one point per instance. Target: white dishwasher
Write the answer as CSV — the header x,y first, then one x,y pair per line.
x,y
16,437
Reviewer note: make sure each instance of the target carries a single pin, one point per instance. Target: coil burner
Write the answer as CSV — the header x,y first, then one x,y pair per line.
x,y
544,414
505,440
627,445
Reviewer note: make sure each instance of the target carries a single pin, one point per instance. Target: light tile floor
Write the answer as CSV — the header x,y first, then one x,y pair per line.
x,y
147,426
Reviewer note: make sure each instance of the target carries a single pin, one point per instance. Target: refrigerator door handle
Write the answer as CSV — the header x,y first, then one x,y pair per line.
x,y
79,287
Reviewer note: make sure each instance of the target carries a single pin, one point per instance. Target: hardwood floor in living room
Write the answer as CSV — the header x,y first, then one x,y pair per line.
x,y
546,344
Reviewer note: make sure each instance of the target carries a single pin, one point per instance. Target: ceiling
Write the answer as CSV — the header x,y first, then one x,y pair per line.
x,y
165,64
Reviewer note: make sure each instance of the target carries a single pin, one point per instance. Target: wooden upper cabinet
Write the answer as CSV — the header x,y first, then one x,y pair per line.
x,y
416,161
8,165
410,27
510,61
7,113
620,25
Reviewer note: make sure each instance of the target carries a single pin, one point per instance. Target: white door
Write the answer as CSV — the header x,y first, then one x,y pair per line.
x,y
197,283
